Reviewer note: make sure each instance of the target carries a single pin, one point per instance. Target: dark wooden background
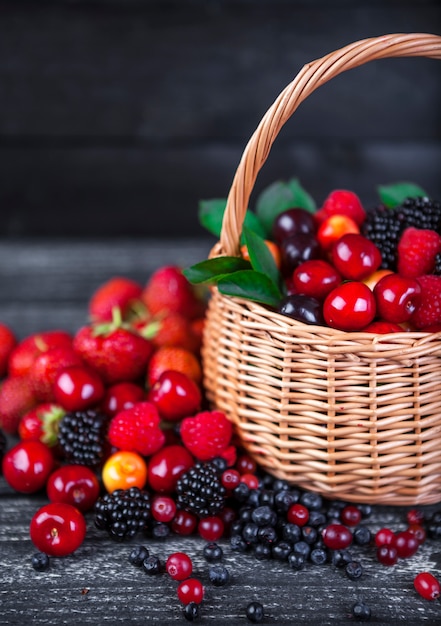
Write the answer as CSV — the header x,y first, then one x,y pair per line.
x,y
117,117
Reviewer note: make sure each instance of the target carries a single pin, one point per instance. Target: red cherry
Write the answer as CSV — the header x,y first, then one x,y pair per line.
x,y
337,537
397,297
163,509
382,328
349,307
175,395
315,278
211,528
334,227
74,484
77,388
166,466
26,466
427,586
297,514
355,256
191,590
58,529
179,566
122,396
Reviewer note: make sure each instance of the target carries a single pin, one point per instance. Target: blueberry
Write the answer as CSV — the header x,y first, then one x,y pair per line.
x,y
291,533
340,558
267,534
151,565
296,561
264,516
318,556
213,552
301,547
312,501
40,561
362,536
249,532
254,612
137,555
361,611
281,550
191,611
218,575
354,570
238,544
262,551
309,534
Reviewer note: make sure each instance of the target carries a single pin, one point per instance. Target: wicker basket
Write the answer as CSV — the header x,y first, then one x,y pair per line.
x,y
353,416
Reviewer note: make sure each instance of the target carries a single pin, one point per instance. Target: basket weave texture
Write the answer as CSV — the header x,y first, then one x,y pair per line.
x,y
352,416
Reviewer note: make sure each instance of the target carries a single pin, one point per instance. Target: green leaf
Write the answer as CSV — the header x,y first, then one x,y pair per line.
x,y
211,213
214,269
261,258
252,222
250,285
393,195
279,197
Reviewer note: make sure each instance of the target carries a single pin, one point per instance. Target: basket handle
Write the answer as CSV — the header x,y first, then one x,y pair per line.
x,y
310,77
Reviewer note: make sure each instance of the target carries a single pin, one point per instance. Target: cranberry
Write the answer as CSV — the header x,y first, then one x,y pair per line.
x,y
77,388
27,466
291,222
415,516
397,297
166,466
163,509
384,537
337,537
297,249
406,544
122,396
297,514
211,528
315,278
175,395
191,590
349,307
179,566
418,531
355,256
427,586
184,523
250,480
350,515
58,529
302,308
230,478
245,464
387,554
74,484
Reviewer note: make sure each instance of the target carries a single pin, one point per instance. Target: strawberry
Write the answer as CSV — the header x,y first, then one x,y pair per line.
x,y
168,291
137,429
28,349
428,313
207,435
41,423
8,342
46,367
173,358
170,330
342,202
16,399
117,352
120,292
416,252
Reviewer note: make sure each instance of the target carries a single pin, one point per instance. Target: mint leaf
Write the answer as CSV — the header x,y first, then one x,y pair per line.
x,y
279,197
261,258
250,285
394,195
211,213
213,269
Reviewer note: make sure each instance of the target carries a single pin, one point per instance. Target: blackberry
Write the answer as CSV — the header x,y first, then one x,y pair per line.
x,y
123,512
200,490
385,226
82,437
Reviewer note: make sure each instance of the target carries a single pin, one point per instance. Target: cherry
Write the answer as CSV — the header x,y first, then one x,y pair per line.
x,y
77,388
355,256
382,328
349,307
74,484
211,528
163,509
184,523
191,590
334,227
427,586
291,222
397,297
124,469
350,515
175,395
179,566
406,544
122,396
387,555
384,537
27,466
337,537
297,514
297,249
302,308
58,529
315,278
166,466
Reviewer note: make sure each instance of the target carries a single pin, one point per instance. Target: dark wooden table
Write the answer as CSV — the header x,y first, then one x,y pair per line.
x,y
46,284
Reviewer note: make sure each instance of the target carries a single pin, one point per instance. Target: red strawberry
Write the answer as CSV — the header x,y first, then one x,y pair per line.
x,y
342,202
41,423
171,330
16,399
8,342
47,366
173,358
120,292
417,250
168,291
137,429
429,311
207,434
116,352
25,353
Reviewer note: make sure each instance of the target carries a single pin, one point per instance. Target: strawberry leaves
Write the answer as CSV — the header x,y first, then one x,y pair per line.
x,y
394,195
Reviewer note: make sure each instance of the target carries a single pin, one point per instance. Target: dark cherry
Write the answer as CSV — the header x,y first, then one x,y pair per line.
x,y
291,222
297,249
302,308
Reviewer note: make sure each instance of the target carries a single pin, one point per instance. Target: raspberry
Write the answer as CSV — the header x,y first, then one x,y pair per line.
x,y
429,311
207,434
137,429
417,251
